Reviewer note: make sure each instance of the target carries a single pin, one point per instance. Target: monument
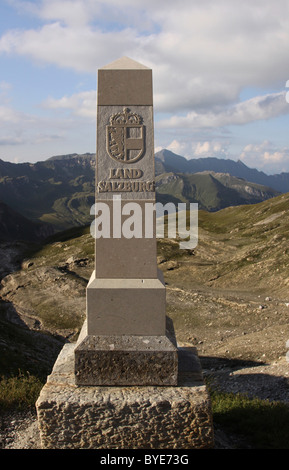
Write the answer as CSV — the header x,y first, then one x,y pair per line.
x,y
125,383
125,339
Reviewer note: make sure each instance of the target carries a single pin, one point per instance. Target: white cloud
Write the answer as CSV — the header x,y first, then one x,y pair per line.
x,y
71,12
275,156
197,149
266,156
53,44
202,53
254,109
210,149
177,147
202,148
81,104
23,134
9,115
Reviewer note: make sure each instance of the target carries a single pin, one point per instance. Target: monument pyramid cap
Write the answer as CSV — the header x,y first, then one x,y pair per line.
x,y
125,63
125,82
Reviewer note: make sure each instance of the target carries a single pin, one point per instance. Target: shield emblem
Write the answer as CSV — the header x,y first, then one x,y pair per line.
x,y
125,137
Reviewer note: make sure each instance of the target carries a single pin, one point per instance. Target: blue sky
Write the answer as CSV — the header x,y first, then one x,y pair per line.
x,y
220,69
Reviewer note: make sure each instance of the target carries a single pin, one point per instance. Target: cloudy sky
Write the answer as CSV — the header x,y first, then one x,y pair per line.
x,y
220,69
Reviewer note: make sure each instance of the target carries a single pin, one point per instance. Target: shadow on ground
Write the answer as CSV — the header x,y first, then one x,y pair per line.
x,y
250,378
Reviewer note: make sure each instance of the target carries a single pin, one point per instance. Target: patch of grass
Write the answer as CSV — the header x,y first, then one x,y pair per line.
x,y
19,391
56,316
22,372
264,424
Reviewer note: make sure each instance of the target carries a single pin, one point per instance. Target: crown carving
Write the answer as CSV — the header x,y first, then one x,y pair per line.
x,y
125,117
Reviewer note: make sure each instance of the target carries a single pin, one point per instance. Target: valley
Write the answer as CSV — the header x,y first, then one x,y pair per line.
x,y
228,297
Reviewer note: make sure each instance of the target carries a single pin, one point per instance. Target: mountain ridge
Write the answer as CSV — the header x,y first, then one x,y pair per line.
x,y
60,190
212,191
170,161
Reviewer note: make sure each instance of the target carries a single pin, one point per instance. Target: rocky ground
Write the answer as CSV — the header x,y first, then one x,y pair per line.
x,y
228,297
19,430
242,348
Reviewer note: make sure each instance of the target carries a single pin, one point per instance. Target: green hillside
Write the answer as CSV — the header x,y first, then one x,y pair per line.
x,y
212,191
61,190
58,191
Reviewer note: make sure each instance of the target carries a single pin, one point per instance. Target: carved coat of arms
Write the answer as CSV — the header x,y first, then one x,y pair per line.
x,y
125,137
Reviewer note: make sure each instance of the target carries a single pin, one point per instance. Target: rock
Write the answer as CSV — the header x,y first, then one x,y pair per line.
x,y
172,265
27,264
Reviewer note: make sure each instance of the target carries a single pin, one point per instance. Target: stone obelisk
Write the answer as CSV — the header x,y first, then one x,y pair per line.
x,y
125,339
125,384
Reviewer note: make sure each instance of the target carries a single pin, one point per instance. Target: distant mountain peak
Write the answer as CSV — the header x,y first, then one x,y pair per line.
x,y
176,163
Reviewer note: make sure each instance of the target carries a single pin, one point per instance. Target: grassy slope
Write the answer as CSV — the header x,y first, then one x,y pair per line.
x,y
211,191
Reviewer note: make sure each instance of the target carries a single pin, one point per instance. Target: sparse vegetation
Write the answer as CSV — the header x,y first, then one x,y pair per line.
x,y
262,424
20,391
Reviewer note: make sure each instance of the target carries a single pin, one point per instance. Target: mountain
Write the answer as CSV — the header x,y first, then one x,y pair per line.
x,y
86,156
167,161
212,191
60,190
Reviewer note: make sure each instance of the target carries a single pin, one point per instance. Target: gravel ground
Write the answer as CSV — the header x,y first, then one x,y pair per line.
x,y
19,430
267,381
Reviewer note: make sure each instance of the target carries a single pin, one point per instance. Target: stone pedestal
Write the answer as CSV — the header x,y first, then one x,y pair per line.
x,y
114,417
126,359
125,384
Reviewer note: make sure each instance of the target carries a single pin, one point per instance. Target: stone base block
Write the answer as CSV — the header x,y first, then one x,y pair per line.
x,y
126,306
101,417
126,359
